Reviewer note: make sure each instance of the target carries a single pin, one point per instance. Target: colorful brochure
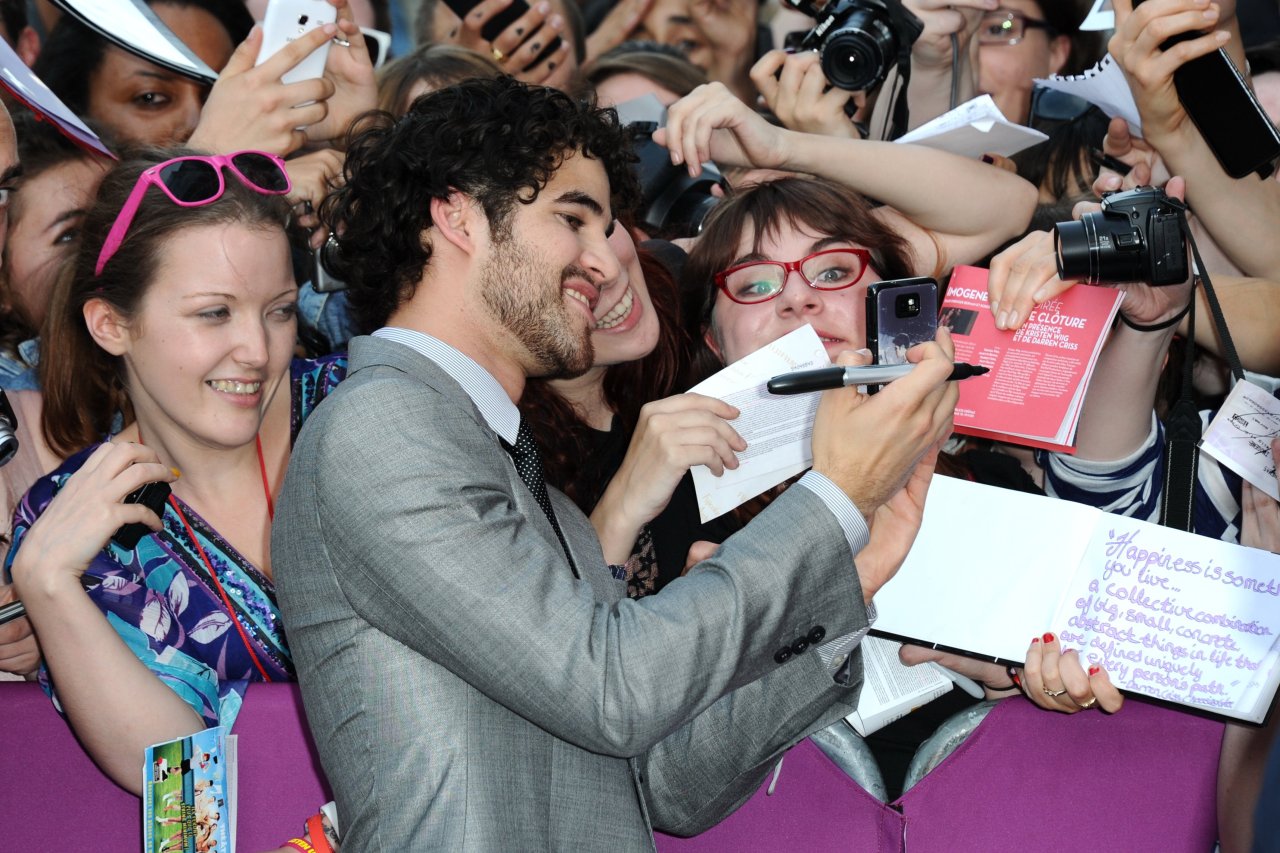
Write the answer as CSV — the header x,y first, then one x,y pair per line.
x,y
188,794
1039,373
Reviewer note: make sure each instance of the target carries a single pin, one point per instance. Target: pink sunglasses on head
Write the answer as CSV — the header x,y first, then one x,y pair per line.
x,y
194,181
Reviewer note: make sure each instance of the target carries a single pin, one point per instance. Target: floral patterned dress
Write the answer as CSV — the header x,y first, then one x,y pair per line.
x,y
160,599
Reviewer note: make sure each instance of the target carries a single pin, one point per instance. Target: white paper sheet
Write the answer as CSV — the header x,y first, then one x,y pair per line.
x,y
975,128
1239,436
1104,85
777,429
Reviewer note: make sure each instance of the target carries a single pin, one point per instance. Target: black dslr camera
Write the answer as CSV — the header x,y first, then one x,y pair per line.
x,y
672,203
859,41
1137,236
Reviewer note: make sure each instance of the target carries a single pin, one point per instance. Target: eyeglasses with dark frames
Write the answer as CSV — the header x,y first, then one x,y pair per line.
x,y
1005,26
759,281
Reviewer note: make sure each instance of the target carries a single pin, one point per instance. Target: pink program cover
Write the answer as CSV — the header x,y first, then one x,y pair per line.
x,y
1039,373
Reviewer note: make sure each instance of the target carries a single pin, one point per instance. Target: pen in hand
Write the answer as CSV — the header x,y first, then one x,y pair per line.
x,y
1106,160
823,378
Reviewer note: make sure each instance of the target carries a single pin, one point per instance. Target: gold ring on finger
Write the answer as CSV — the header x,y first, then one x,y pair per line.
x,y
498,55
1084,706
1054,693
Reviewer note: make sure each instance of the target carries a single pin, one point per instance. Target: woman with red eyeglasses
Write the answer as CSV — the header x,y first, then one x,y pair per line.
x,y
169,361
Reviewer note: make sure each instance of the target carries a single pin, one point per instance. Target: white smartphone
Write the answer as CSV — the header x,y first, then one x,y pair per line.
x,y
287,20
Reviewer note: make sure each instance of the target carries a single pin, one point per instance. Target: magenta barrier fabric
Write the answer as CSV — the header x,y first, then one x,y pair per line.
x,y
54,798
1026,779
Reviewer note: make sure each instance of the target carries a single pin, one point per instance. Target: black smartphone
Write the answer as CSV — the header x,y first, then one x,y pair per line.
x,y
1234,125
499,22
153,496
900,314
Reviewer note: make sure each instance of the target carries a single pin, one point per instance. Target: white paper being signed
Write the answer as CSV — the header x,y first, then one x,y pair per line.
x,y
777,428
1239,436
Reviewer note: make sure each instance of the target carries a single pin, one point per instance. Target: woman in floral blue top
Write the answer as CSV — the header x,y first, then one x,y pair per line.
x,y
181,316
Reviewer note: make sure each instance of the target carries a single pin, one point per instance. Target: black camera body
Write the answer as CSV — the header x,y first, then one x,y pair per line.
x,y
1137,236
673,204
8,429
858,41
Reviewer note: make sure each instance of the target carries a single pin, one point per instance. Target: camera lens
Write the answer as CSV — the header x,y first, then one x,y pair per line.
x,y
856,57
1075,254
907,305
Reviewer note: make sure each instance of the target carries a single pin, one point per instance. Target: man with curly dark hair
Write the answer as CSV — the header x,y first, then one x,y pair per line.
x,y
473,674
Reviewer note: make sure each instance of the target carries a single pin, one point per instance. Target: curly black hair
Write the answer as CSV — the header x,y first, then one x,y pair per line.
x,y
496,140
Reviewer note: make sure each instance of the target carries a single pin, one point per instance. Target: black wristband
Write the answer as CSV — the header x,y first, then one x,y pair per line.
x,y
1164,324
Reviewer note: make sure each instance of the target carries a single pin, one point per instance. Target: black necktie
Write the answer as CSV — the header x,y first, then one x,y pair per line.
x,y
529,465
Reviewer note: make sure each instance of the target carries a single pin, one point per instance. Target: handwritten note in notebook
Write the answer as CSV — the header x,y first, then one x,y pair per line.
x,y
1239,436
1172,615
777,429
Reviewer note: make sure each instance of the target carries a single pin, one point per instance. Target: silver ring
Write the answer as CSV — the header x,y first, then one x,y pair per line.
x,y
1054,693
339,40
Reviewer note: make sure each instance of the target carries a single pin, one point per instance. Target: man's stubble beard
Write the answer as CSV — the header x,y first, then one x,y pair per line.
x,y
516,288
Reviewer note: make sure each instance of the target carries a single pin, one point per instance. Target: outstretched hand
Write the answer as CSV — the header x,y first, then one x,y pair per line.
x,y
1026,275
251,108
1137,49
894,526
712,124
349,68
1056,680
870,446
796,90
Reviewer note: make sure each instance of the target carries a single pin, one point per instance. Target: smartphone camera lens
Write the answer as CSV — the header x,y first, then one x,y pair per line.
x,y
907,305
302,20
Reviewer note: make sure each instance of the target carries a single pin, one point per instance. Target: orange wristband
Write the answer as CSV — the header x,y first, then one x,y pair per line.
x,y
315,830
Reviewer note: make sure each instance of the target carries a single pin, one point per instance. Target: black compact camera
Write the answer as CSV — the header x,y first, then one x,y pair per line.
x,y
1137,236
8,430
859,41
672,203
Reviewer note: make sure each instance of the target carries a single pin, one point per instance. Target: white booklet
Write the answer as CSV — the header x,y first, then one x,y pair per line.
x,y
890,688
1171,615
777,428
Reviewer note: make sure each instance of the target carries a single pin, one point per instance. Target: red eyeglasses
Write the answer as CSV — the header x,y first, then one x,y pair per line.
x,y
760,281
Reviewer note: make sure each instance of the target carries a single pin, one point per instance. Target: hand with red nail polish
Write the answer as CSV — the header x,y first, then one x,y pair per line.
x,y
1055,679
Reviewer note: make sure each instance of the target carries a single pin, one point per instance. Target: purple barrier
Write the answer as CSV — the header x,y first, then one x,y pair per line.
x,y
1026,779
55,798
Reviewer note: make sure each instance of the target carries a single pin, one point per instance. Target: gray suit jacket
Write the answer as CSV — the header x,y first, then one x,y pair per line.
x,y
466,692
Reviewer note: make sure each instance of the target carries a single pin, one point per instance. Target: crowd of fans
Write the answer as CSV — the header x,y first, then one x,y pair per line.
x,y
159,331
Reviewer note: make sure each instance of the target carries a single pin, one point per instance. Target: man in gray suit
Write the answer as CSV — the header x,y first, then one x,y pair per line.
x,y
472,673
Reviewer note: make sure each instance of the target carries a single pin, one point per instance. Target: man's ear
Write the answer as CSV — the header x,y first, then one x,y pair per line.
x,y
107,327
457,219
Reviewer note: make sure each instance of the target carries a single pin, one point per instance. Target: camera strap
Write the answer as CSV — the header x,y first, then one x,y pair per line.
x,y
1183,427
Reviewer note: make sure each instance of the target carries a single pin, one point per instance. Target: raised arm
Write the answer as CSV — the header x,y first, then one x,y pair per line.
x,y
952,209
1115,421
1239,213
115,704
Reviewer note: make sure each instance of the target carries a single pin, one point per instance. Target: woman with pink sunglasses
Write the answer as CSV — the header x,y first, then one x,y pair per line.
x,y
170,363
